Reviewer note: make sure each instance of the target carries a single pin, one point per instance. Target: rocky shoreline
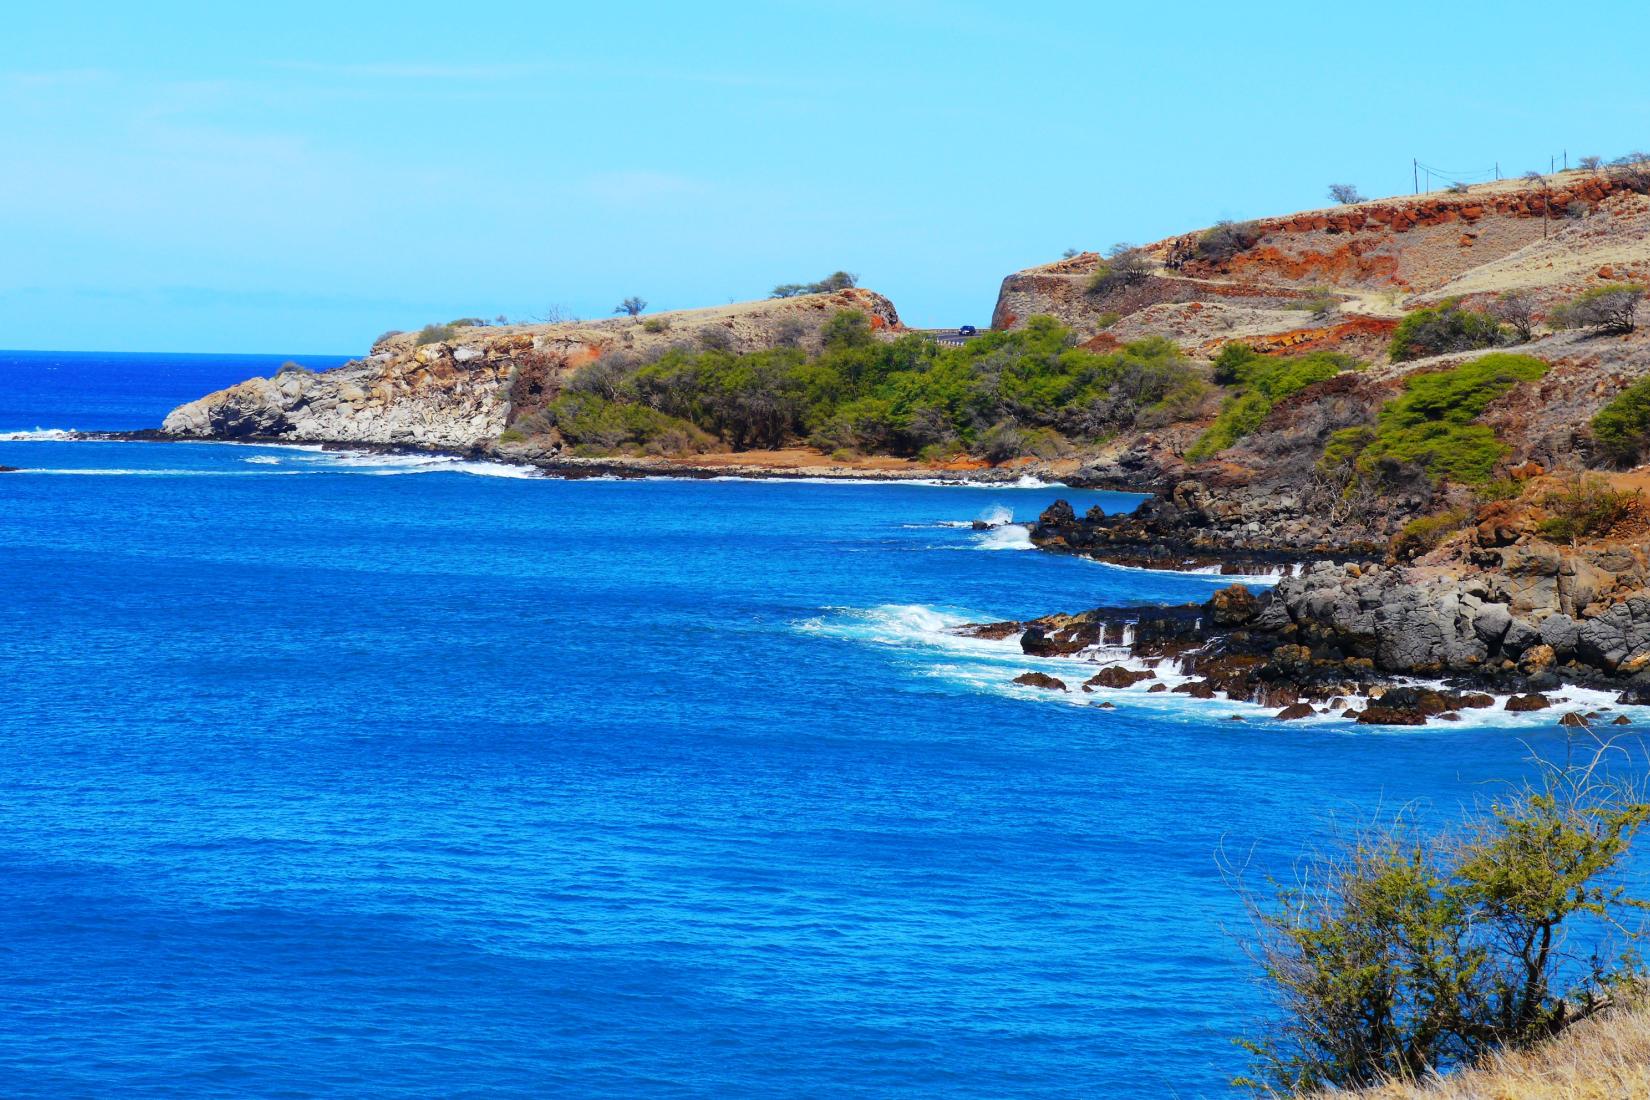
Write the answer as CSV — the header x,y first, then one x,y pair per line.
x,y
1377,641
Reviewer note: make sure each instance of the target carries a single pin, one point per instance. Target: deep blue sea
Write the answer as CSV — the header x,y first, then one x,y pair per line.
x,y
333,775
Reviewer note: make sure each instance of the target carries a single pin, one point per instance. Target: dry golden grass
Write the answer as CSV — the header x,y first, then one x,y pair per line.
x,y
1604,1058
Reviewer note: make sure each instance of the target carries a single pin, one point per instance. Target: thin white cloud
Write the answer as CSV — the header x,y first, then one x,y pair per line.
x,y
413,70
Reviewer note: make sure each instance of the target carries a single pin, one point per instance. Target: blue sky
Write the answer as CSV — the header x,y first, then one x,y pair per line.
x,y
299,177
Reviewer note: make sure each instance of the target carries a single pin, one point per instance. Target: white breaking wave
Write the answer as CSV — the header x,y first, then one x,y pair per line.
x,y
38,435
367,462
263,460
1012,536
1202,573
997,515
88,471
1023,482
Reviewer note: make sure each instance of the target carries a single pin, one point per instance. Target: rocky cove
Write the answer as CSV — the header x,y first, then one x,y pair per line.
x,y
1394,558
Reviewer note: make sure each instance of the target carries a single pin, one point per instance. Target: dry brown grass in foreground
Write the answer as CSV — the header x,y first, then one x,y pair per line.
x,y
1603,1058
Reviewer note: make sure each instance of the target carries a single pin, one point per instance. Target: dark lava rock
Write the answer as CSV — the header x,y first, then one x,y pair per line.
x,y
1157,687
1408,706
1520,704
8,469
1475,700
1116,676
1377,715
1449,716
1108,706
994,632
1041,680
1197,689
1621,720
1575,718
1635,695
1233,606
1061,635
1294,711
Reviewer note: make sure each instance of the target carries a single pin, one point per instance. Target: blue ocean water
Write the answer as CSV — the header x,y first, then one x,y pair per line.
x,y
337,775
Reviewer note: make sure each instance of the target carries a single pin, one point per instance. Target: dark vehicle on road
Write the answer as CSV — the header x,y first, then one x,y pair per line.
x,y
968,330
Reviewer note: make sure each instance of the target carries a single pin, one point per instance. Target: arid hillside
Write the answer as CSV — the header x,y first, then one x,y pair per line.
x,y
1338,279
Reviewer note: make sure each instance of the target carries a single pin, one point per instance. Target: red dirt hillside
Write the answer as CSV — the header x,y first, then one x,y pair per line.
x,y
1339,279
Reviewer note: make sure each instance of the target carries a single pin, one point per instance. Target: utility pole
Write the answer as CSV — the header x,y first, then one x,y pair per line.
x,y
1415,167
1498,171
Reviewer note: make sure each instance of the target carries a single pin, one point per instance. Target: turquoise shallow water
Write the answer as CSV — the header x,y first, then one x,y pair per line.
x,y
330,775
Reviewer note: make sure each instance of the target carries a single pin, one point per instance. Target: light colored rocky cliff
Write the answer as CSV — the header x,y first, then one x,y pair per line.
x,y
459,392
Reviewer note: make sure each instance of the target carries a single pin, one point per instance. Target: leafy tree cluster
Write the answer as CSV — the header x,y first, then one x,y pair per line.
x,y
1408,954
1432,423
1444,328
1262,382
1024,391
597,426
836,280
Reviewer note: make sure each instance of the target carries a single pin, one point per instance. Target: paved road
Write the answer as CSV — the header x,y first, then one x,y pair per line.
x,y
949,336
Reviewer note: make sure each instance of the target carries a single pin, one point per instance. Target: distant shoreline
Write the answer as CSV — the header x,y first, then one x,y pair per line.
x,y
792,465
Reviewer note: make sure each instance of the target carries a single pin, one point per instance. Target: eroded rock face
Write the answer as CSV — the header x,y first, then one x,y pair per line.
x,y
462,392
425,398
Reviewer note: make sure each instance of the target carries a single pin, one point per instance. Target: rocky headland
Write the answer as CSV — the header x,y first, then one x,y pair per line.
x,y
463,390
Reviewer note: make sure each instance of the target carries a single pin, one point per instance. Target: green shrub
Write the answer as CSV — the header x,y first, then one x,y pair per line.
x,y
1001,442
1609,308
468,322
1406,954
1443,328
1107,319
1233,357
512,435
656,324
433,334
1432,424
847,328
1587,508
1424,533
1622,428
585,419
292,367
1265,382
